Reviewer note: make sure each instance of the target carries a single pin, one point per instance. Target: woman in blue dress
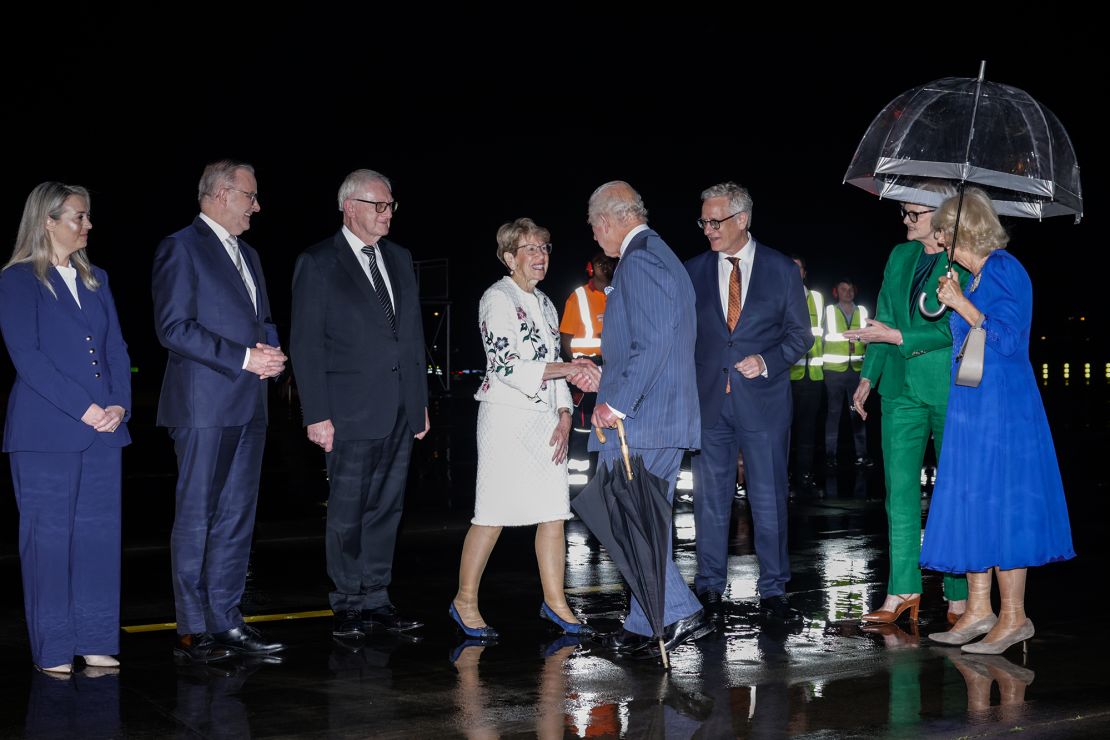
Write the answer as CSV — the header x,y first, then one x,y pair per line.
x,y
998,506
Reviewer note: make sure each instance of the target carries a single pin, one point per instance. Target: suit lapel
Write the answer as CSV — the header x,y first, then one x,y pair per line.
x,y
759,285
65,298
215,251
354,271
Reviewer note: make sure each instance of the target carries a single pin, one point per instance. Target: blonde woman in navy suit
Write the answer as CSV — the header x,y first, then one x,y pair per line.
x,y
64,430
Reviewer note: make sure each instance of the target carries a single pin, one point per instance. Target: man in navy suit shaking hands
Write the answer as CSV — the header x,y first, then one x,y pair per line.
x,y
753,324
212,312
648,381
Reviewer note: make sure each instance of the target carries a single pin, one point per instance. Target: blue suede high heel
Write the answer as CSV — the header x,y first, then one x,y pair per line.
x,y
568,628
475,633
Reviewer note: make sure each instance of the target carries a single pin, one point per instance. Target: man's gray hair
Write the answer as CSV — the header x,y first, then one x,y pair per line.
x,y
359,180
739,199
218,175
619,200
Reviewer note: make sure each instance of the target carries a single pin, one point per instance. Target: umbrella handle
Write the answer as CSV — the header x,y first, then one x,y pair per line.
x,y
624,445
926,312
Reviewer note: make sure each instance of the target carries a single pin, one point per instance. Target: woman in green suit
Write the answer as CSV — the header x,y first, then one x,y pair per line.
x,y
909,361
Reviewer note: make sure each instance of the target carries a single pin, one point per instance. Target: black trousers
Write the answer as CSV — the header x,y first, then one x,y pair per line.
x,y
841,386
367,492
807,407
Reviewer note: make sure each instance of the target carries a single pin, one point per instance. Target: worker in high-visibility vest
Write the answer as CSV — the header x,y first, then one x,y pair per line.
x,y
843,362
580,328
806,388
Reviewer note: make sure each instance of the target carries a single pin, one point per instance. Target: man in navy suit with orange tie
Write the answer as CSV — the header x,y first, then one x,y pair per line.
x,y
648,381
753,324
212,313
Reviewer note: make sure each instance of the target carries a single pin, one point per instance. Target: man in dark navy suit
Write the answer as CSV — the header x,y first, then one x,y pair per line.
x,y
358,354
212,313
753,325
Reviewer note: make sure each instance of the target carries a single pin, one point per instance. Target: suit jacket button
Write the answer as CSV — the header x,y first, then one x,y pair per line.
x,y
88,339
394,368
730,343
94,362
96,375
92,350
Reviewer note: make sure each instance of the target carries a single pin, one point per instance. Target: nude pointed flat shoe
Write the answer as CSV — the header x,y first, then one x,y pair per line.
x,y
999,646
64,669
961,637
101,661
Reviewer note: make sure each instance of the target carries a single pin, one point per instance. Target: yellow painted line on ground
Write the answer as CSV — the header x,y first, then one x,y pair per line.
x,y
134,628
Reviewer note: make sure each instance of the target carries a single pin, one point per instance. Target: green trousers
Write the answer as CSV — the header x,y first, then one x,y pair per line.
x,y
907,423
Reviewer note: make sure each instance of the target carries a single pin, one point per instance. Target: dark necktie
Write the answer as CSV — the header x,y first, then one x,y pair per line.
x,y
379,286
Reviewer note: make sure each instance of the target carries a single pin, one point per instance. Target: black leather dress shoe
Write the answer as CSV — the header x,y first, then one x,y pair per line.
x,y
693,627
199,648
711,599
624,642
348,625
387,618
246,640
778,609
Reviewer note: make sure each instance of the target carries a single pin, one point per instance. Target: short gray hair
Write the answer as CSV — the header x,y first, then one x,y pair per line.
x,y
617,199
358,180
739,199
218,175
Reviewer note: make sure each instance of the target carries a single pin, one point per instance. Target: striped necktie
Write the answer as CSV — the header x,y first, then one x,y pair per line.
x,y
379,286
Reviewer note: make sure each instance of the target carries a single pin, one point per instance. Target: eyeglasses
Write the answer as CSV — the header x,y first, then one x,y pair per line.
x,y
379,205
715,223
252,197
914,215
533,249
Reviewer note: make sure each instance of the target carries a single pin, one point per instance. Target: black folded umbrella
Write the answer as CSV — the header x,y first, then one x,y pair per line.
x,y
629,513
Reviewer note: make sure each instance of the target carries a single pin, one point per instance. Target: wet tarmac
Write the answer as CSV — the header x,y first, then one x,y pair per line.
x,y
827,677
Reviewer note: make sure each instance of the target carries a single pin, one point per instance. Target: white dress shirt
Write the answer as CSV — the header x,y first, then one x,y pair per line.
x,y
364,260
223,234
69,275
724,273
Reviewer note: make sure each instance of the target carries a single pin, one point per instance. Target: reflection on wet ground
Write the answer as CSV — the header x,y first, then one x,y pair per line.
x,y
826,677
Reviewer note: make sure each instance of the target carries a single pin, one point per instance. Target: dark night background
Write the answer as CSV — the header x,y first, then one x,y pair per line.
x,y
513,116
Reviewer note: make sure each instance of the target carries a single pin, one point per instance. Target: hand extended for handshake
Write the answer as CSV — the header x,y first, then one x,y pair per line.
x,y
104,419
266,361
584,374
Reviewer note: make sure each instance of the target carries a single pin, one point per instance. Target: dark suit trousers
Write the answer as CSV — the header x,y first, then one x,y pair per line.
x,y
765,467
217,491
367,479
69,550
806,394
841,386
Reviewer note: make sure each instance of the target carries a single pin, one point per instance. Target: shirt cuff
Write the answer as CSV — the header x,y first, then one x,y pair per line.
x,y
247,358
764,362
618,414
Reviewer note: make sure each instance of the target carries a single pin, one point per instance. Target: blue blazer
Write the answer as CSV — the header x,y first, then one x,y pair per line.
x,y
774,323
66,357
649,340
204,316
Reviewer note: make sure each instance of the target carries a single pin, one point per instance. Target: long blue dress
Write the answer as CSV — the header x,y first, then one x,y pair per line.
x,y
998,500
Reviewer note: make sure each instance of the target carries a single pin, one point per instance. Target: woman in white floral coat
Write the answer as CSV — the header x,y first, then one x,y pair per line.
x,y
524,422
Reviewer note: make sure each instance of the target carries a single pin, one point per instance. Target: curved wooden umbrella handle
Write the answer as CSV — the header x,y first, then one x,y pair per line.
x,y
624,445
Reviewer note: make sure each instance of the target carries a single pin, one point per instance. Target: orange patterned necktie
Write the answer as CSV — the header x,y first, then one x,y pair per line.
x,y
733,315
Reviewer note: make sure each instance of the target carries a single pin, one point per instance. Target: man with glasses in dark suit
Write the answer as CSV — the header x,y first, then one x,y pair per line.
x,y
358,357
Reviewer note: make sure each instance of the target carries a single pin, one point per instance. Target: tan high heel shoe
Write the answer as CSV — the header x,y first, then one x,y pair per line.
x,y
886,617
999,646
960,637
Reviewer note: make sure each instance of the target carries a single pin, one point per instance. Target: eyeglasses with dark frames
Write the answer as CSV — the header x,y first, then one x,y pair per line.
x,y
252,197
379,205
533,249
715,223
914,215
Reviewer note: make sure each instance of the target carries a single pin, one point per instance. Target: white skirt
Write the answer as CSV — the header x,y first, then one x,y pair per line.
x,y
518,484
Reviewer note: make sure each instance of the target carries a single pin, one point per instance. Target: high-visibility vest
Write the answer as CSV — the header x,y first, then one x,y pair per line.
x,y
815,357
838,350
588,342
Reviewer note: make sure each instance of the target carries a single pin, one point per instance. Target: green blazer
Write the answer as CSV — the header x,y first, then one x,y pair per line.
x,y
923,362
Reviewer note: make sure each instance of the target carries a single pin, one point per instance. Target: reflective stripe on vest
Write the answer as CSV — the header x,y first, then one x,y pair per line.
x,y
588,340
838,350
815,357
